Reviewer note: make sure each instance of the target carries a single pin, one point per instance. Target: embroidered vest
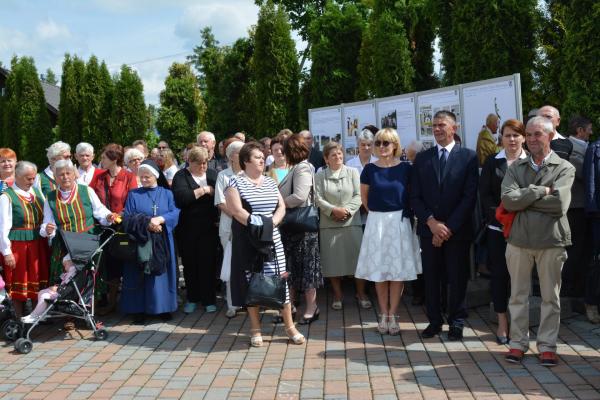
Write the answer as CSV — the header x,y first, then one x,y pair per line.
x,y
26,216
47,184
75,214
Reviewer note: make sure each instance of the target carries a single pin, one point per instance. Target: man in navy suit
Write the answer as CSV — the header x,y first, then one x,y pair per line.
x,y
442,193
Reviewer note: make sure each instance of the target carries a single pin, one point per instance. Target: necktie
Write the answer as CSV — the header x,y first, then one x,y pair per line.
x,y
443,159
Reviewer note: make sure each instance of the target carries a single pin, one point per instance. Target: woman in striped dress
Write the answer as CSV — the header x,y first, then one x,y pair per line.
x,y
250,196
71,207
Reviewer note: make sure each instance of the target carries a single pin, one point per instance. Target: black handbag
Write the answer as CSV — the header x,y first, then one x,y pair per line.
x,y
302,219
266,291
122,248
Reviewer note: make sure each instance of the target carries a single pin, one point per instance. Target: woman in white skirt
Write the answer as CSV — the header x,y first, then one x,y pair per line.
x,y
389,253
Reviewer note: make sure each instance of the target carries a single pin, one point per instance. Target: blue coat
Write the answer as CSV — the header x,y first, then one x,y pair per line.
x,y
143,293
449,198
591,178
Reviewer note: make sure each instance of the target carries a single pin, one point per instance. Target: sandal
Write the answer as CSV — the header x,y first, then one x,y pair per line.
x,y
336,305
393,327
296,338
364,303
382,327
256,339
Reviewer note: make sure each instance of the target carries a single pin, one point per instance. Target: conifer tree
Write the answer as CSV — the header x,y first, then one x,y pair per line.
x,y
70,115
129,119
94,97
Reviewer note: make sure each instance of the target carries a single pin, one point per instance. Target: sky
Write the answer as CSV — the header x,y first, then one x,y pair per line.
x,y
148,35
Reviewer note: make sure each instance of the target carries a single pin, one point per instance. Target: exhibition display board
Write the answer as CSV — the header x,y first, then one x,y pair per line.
x,y
412,114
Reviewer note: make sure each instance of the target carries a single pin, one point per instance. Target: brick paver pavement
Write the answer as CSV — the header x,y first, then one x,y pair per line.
x,y
208,356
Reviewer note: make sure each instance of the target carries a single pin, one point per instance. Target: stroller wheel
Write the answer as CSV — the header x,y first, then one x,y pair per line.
x,y
101,334
11,330
23,345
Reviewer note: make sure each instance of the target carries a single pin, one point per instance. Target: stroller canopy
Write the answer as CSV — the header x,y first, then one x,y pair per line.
x,y
80,246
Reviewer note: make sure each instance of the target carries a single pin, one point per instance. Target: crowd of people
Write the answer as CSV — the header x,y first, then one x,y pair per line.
x,y
390,215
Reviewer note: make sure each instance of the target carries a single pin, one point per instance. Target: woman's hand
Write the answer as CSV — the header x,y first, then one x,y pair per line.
x,y
155,224
50,228
204,190
112,218
10,261
340,214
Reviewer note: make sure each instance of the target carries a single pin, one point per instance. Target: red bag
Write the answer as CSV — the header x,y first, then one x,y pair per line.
x,y
506,218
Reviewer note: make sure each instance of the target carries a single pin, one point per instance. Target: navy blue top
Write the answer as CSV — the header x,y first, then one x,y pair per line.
x,y
388,187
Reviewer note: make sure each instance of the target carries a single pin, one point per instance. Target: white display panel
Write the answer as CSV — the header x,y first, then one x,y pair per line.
x,y
325,124
399,113
497,97
355,117
430,103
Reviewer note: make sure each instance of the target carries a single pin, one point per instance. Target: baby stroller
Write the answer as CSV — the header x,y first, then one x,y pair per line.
x,y
76,296
10,329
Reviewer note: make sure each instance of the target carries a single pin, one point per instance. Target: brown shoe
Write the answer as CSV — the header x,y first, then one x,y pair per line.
x,y
548,359
514,356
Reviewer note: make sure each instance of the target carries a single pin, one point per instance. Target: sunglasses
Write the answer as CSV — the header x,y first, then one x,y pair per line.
x,y
384,143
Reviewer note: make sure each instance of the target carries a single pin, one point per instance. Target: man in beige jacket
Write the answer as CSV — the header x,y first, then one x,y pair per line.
x,y
538,189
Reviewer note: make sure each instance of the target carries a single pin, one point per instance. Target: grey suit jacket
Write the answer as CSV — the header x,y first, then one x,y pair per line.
x,y
578,189
343,191
298,195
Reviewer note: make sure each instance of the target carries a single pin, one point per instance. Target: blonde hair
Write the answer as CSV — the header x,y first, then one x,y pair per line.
x,y
197,154
390,135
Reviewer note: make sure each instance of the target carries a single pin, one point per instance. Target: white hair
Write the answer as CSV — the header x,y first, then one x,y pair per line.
x,y
553,109
233,147
365,134
62,164
206,133
23,167
56,149
545,123
305,133
84,147
132,153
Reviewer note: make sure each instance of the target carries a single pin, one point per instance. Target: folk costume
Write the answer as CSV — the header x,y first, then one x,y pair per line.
x,y
46,181
72,211
21,214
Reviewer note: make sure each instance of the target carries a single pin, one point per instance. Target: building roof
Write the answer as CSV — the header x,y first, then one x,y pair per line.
x,y
51,93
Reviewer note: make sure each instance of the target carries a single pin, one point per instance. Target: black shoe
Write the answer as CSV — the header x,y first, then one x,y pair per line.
x,y
455,333
502,339
310,320
139,319
166,316
417,301
431,331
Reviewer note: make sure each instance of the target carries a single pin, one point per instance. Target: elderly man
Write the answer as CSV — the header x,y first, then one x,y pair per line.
x,y
562,146
315,156
487,140
84,153
142,146
45,180
26,255
207,140
71,207
538,190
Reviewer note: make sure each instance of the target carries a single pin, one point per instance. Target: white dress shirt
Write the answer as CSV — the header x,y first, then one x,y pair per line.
x,y
85,177
355,163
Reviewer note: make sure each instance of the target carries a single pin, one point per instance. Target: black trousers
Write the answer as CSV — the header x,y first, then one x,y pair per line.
x,y
579,254
500,278
199,257
592,274
450,263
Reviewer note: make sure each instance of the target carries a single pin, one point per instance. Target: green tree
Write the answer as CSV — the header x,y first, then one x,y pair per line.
x,y
182,111
581,71
336,37
276,72
95,96
49,77
129,119
488,39
70,116
26,121
385,65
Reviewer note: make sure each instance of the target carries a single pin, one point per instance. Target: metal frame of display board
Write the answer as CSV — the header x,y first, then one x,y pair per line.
x,y
429,140
412,95
311,112
347,105
516,78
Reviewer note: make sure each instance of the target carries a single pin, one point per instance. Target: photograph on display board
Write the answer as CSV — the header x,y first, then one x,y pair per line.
x,y
426,120
326,125
355,119
390,120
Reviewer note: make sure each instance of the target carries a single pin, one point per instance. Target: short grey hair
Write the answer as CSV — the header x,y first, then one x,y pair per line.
x,y
62,164
365,134
233,147
305,132
415,145
23,167
545,123
206,133
56,149
549,107
84,147
132,153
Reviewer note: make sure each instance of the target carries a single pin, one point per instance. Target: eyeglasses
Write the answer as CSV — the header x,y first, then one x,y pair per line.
x,y
162,147
384,143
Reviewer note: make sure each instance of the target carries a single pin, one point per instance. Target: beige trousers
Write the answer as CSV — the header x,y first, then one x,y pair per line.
x,y
520,262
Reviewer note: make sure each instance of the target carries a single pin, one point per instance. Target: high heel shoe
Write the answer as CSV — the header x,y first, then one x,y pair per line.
x,y
256,340
310,320
296,338
382,327
393,327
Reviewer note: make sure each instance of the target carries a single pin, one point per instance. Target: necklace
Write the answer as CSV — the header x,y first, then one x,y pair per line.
x,y
254,181
153,200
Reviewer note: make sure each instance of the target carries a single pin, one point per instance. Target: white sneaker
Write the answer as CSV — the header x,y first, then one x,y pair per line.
x,y
231,312
29,319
